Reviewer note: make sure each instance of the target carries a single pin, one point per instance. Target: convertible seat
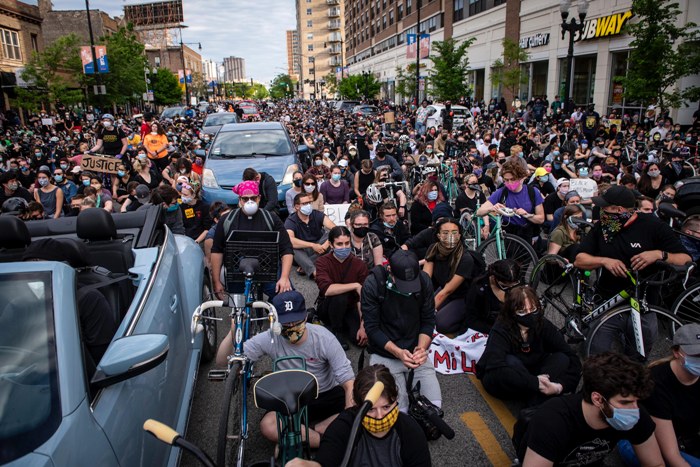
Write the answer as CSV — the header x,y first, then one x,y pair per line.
x,y
285,391
14,238
96,228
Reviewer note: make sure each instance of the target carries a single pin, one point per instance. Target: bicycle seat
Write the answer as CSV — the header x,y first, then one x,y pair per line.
x,y
285,391
249,265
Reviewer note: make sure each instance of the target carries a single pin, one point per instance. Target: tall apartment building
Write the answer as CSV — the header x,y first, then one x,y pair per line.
x,y
234,69
320,24
293,57
376,43
209,70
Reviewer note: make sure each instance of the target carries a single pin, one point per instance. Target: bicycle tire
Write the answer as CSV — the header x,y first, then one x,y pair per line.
x,y
516,249
230,447
210,334
555,291
469,231
687,306
623,341
687,166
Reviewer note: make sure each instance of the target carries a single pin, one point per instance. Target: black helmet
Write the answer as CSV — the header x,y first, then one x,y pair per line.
x,y
14,206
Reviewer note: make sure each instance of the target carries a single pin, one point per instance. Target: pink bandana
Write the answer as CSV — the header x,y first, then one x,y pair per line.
x,y
247,188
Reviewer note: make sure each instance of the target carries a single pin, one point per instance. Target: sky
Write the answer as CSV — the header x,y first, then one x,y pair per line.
x,y
252,29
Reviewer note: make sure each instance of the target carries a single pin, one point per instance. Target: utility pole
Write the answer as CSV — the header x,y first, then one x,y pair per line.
x,y
418,5
92,48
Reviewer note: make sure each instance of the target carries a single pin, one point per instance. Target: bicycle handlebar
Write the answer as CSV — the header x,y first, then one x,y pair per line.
x,y
370,399
195,326
675,270
161,431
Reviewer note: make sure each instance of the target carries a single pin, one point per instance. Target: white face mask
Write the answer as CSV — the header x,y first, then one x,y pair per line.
x,y
306,209
107,124
309,189
250,208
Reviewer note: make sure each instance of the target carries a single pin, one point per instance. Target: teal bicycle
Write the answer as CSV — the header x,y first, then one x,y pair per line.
x,y
449,180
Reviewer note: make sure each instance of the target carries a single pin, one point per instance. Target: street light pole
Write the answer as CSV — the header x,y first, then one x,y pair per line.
x,y
572,27
184,70
92,45
418,5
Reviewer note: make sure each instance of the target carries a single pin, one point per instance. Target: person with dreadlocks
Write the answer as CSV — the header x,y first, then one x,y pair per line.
x,y
451,269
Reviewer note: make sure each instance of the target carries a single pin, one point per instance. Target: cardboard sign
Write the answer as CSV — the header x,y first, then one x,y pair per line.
x,y
47,121
105,164
336,213
389,117
458,355
585,187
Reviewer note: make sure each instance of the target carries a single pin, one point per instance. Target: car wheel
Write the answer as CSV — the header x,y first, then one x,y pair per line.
x,y
210,331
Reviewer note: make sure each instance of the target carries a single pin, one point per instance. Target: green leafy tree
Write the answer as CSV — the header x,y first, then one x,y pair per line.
x,y
260,92
166,87
55,75
360,86
282,87
506,69
662,53
331,81
406,81
125,80
198,87
448,78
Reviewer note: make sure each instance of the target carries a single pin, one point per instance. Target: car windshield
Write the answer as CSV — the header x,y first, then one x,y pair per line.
x,y
249,110
171,112
30,409
250,143
460,112
220,119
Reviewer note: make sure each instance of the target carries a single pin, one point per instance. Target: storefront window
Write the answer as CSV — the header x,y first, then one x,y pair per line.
x,y
535,82
616,99
583,80
479,79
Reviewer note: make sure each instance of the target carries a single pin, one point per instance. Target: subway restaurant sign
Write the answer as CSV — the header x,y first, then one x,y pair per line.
x,y
606,26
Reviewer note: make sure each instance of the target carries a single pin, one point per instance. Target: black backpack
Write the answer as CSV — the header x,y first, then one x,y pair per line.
x,y
530,193
234,216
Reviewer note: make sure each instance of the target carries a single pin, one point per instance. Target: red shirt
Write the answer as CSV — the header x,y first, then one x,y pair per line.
x,y
330,271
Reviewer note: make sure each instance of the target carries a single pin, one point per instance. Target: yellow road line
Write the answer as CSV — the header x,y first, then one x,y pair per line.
x,y
488,442
505,416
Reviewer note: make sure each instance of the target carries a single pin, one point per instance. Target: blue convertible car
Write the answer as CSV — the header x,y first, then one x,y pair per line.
x,y
58,407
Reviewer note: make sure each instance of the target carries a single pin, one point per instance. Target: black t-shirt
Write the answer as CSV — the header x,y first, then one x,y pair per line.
x,y
674,401
644,234
551,203
196,219
20,192
111,140
441,274
308,232
403,445
559,432
463,201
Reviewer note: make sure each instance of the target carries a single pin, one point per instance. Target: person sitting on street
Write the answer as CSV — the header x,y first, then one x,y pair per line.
x,y
487,294
308,231
392,232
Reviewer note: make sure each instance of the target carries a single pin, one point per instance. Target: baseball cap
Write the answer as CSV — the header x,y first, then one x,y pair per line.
x,y
142,194
617,195
406,271
290,307
688,338
540,172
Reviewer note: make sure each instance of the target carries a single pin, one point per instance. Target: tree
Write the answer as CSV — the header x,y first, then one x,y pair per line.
x,y
198,87
363,86
506,69
55,74
282,87
260,92
331,81
125,80
450,67
406,81
166,87
661,54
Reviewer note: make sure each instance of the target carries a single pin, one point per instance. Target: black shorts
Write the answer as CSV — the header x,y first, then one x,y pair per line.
x,y
329,403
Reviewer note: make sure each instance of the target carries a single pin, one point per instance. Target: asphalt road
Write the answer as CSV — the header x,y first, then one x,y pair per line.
x,y
482,425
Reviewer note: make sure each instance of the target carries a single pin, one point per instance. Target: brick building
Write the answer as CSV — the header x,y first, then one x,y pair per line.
x,y
59,23
293,57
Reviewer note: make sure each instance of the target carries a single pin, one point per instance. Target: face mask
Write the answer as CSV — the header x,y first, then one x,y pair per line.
x,y
654,173
432,195
306,209
571,224
529,320
38,155
250,208
583,172
622,419
353,152
692,365
548,169
97,187
58,178
121,173
64,167
342,253
43,181
309,188
478,172
380,425
107,124
186,200
520,154
612,223
24,169
360,232
565,161
449,241
335,177
13,186
318,162
597,173
555,153
294,333
183,171
172,208
544,178
513,186
557,166
86,182
297,183
389,226
584,146
327,154
429,151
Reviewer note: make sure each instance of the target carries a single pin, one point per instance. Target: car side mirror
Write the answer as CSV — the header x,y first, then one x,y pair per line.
x,y
128,357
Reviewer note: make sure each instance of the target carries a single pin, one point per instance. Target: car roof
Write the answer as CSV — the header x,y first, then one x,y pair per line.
x,y
252,126
442,106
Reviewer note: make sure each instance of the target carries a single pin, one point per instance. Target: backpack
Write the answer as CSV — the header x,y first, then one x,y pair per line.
x,y
234,216
530,193
380,275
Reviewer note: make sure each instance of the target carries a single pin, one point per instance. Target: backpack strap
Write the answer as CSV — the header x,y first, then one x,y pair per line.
x,y
530,193
268,220
229,221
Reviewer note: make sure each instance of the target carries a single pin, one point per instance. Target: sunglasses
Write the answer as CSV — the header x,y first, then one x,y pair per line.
x,y
245,199
309,184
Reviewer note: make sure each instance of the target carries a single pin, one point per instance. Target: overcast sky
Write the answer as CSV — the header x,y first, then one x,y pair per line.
x,y
252,29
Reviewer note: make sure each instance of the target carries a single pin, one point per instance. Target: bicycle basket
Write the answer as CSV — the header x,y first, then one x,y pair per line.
x,y
263,246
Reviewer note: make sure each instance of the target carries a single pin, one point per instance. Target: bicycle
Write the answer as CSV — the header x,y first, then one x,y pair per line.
x,y
569,301
448,179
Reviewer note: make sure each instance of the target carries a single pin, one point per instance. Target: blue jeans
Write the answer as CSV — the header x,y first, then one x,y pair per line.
x,y
420,128
629,458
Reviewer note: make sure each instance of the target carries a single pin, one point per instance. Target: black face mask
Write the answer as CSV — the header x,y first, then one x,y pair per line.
x,y
297,183
360,232
529,320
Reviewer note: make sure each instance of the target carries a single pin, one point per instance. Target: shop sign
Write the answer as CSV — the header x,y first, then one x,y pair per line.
x,y
538,40
605,26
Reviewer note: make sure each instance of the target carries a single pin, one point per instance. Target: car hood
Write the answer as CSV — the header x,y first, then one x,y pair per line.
x,y
228,172
211,129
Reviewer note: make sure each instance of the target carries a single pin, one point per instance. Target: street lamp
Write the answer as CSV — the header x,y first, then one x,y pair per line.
x,y
184,67
365,83
572,27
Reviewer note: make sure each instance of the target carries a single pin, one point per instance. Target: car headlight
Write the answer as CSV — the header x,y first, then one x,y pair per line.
x,y
288,177
208,179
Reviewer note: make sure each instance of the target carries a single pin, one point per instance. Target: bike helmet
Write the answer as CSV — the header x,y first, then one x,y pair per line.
x,y
108,117
374,195
15,206
429,170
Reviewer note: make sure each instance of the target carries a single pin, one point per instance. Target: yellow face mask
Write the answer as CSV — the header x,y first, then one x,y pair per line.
x,y
378,425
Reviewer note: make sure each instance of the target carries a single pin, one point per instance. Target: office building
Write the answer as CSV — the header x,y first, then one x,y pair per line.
x,y
293,57
234,69
320,24
377,30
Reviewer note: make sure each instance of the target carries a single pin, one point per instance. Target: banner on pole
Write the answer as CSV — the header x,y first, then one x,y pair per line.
x,y
424,46
411,46
100,54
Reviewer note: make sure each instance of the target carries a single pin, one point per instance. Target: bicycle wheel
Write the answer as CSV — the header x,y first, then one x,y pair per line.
x,y
210,331
614,332
230,447
556,289
515,248
469,231
689,169
687,306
